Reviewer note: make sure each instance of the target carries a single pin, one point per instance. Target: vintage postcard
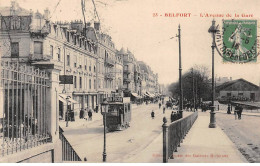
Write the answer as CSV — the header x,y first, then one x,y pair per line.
x,y
129,81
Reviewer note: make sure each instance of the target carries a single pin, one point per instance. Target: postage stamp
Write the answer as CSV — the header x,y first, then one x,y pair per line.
x,y
239,41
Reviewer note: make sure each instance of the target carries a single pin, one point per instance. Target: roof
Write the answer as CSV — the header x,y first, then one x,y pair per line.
x,y
122,51
229,84
143,66
6,11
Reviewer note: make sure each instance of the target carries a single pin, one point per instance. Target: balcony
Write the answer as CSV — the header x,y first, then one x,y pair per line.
x,y
127,71
109,62
109,76
39,57
127,80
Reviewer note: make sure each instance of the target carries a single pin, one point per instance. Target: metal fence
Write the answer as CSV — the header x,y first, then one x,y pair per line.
x,y
22,107
174,133
68,153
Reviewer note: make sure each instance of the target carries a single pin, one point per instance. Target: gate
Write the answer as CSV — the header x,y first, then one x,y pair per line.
x,y
22,107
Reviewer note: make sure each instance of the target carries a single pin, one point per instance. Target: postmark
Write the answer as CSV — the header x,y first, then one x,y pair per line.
x,y
237,41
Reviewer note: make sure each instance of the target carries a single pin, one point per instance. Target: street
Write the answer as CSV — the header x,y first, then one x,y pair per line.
x,y
122,146
244,133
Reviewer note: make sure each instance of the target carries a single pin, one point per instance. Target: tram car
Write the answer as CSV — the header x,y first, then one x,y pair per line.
x,y
118,113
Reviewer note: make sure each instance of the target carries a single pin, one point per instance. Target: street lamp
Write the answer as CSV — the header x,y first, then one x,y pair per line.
x,y
213,30
180,75
67,112
104,111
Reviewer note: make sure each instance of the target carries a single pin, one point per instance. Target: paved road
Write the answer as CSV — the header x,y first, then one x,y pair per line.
x,y
121,145
245,133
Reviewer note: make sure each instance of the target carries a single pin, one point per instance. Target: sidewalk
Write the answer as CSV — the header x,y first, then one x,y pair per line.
x,y
243,113
207,145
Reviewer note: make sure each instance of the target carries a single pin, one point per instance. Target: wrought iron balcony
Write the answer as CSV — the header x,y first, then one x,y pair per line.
x,y
127,80
109,76
109,62
127,71
39,57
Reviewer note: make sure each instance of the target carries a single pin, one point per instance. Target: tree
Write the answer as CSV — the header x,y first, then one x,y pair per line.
x,y
201,83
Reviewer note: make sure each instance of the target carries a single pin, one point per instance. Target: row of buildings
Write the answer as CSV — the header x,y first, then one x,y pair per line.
x,y
90,67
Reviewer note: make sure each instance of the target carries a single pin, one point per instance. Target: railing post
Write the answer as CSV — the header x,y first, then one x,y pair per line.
x,y
165,141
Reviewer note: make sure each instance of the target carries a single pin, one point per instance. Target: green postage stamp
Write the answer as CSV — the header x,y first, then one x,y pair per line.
x,y
239,41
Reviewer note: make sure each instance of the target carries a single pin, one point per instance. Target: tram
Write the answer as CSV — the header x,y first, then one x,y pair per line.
x,y
118,113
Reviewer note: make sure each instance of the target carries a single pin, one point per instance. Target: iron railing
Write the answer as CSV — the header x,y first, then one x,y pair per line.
x,y
174,133
22,107
68,153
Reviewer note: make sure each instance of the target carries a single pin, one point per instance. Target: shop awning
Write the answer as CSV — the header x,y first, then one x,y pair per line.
x,y
136,95
148,94
62,97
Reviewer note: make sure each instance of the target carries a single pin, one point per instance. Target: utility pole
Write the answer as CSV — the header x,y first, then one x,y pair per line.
x,y
180,69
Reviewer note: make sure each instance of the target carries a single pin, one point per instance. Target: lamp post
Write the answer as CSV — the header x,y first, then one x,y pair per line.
x,y
104,111
213,30
180,75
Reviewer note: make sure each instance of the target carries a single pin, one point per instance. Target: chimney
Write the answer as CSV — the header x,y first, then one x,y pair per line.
x,y
46,14
97,26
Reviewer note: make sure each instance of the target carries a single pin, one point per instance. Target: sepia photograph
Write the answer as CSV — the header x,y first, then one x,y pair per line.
x,y
129,81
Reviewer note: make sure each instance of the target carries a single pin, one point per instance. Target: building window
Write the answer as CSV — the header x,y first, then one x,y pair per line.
x,y
75,81
68,60
94,68
68,37
37,47
51,51
80,82
58,54
75,63
240,94
95,86
15,50
75,40
89,83
89,67
228,94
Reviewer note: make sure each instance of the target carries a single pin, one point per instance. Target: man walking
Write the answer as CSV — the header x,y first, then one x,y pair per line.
x,y
152,114
236,111
90,115
240,109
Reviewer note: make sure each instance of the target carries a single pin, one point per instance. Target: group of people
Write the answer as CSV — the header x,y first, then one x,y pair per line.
x,y
82,114
174,115
238,110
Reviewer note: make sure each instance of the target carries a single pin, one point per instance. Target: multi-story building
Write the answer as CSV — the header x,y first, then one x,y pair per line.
x,y
119,73
128,76
85,54
149,81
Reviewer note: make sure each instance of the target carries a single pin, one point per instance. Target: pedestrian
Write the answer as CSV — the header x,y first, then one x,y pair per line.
x,y
90,115
228,109
160,105
152,114
81,113
236,110
172,116
240,109
164,109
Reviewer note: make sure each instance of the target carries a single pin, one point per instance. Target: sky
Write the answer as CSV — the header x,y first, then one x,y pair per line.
x,y
132,25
